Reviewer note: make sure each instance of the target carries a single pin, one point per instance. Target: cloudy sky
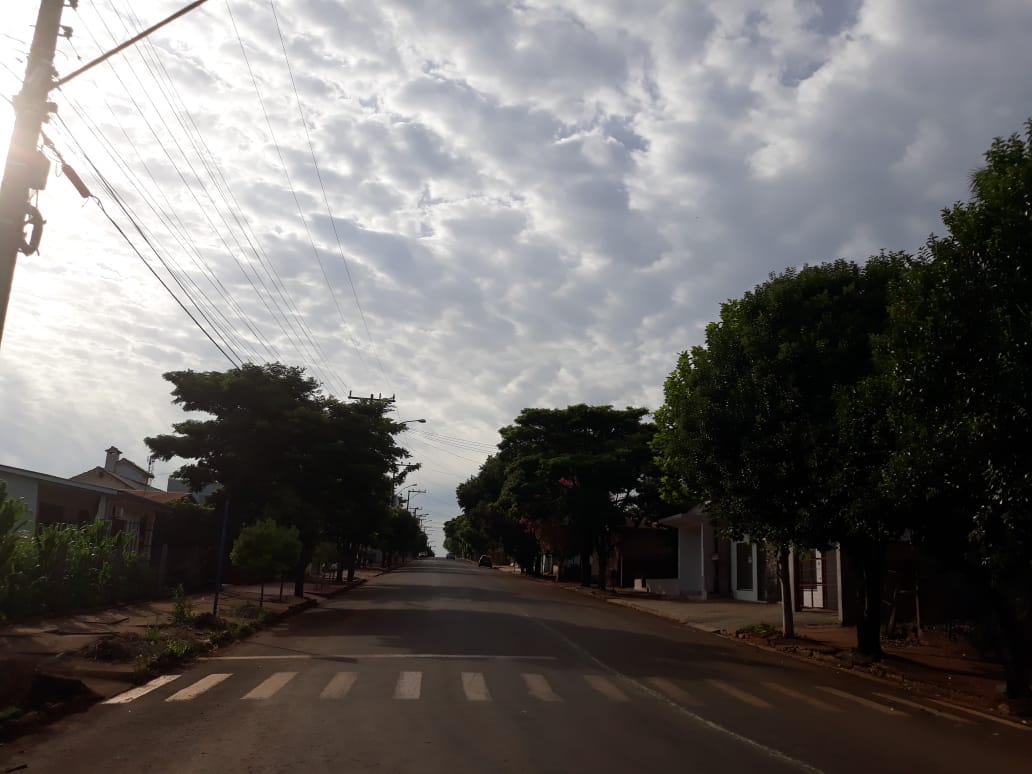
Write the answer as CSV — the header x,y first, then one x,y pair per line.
x,y
534,203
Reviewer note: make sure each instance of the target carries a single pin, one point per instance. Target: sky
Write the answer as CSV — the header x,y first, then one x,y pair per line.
x,y
486,205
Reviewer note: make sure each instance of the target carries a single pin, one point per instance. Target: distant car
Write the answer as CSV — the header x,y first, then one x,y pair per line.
x,y
449,556
485,561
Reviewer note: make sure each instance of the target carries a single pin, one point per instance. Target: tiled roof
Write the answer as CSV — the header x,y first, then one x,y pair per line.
x,y
158,496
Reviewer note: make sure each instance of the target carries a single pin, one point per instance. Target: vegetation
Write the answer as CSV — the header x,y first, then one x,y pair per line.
x,y
61,568
265,550
281,449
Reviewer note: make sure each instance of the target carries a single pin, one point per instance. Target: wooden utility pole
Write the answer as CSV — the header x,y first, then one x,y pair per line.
x,y
27,167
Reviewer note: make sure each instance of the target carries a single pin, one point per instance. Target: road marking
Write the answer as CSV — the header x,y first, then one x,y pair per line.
x,y
604,686
538,687
193,691
770,752
409,685
143,690
823,706
474,687
339,686
270,685
922,707
674,691
739,694
865,702
985,715
367,656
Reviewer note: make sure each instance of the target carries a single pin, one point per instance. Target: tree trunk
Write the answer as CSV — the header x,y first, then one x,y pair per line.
x,y
261,596
1010,642
299,571
871,564
603,562
787,597
282,581
585,568
352,559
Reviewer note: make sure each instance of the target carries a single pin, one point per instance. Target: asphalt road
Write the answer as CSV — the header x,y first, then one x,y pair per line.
x,y
444,667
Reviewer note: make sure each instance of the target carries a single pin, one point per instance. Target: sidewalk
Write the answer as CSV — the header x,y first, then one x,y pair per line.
x,y
63,663
723,615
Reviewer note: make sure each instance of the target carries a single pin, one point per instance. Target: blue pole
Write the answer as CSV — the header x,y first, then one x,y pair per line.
x,y
222,558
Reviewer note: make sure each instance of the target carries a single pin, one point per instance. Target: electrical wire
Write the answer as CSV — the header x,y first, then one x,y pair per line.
x,y
326,200
234,359
290,185
198,257
210,163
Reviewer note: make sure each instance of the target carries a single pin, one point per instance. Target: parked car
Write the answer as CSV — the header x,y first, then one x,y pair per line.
x,y
449,555
485,561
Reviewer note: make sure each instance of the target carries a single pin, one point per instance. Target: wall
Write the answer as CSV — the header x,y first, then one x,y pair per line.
x,y
65,505
689,560
26,490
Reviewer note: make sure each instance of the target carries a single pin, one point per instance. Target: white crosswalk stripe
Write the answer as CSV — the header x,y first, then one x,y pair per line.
x,y
270,686
474,686
739,694
201,686
863,702
806,698
143,690
674,691
339,686
606,687
409,686
538,688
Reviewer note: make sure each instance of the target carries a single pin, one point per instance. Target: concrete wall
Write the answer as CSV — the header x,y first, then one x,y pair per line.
x,y
689,560
25,490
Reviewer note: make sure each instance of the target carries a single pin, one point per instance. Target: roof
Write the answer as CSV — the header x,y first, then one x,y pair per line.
x,y
124,461
46,477
157,496
128,482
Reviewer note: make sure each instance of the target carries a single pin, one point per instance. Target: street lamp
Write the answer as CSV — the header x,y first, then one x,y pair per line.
x,y
410,421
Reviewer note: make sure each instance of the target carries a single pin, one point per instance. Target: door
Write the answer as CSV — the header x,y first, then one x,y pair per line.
x,y
744,566
811,581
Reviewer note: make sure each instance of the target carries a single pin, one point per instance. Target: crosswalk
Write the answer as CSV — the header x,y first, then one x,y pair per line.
x,y
536,687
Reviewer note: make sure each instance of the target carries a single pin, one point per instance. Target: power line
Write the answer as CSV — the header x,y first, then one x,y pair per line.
x,y
235,359
209,161
199,259
286,175
326,200
175,167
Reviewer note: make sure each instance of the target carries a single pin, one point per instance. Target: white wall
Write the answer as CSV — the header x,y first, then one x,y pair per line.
x,y
26,490
689,560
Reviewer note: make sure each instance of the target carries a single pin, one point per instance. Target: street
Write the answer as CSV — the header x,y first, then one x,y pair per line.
x,y
445,667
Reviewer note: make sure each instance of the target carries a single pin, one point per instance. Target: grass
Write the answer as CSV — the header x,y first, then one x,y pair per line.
x,y
761,629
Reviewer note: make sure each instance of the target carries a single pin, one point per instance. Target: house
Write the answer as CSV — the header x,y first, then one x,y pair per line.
x,y
711,566
118,473
54,500
119,492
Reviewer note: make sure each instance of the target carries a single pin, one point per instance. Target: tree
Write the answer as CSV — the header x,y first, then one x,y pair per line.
x,y
757,424
403,534
266,550
575,466
280,448
959,356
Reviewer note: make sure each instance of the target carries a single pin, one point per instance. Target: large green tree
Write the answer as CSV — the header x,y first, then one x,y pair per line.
x,y
282,449
959,357
756,424
575,467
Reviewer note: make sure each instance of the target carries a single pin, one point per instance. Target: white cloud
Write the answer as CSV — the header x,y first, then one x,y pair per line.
x,y
540,203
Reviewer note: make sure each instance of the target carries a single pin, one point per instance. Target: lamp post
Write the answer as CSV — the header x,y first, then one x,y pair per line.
x,y
410,421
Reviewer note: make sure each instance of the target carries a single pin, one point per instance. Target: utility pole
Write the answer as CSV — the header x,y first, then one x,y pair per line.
x,y
373,399
27,167
411,492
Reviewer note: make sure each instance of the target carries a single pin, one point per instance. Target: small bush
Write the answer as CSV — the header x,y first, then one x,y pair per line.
x,y
762,629
182,607
179,649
